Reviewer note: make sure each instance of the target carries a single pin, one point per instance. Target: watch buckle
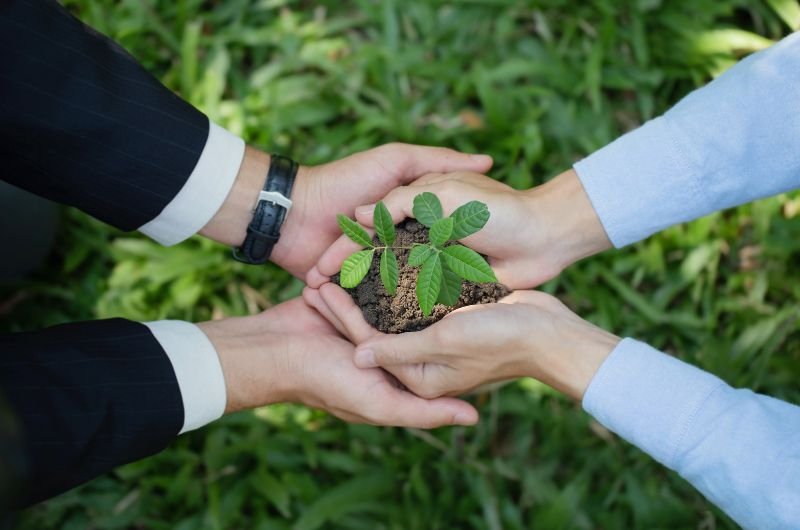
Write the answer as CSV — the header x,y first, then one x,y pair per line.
x,y
275,197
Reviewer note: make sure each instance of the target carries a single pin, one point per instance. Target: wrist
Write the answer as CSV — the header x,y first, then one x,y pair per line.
x,y
286,250
571,366
562,207
256,367
229,224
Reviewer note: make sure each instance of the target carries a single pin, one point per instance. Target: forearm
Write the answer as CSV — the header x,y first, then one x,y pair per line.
x,y
255,366
738,448
229,224
730,142
84,124
88,397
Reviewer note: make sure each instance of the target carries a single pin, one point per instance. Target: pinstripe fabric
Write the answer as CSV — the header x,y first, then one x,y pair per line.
x,y
82,123
89,396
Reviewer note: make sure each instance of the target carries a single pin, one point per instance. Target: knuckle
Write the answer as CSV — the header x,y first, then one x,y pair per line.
x,y
397,195
439,338
450,186
391,149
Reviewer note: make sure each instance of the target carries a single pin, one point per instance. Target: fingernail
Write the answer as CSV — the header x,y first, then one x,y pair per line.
x,y
462,418
481,157
365,359
365,210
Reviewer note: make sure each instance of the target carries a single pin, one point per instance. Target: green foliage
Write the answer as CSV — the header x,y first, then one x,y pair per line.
x,y
458,260
355,267
384,226
468,264
440,231
468,219
354,231
451,287
537,86
389,270
429,282
418,254
427,208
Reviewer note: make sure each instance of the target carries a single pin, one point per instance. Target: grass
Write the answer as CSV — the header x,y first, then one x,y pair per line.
x,y
537,85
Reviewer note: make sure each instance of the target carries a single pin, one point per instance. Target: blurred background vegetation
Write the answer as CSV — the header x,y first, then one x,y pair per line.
x,y
537,84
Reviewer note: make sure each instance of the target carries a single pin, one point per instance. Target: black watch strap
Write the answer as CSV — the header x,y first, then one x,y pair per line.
x,y
273,205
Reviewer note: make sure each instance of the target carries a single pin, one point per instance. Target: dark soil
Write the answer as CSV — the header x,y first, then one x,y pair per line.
x,y
401,312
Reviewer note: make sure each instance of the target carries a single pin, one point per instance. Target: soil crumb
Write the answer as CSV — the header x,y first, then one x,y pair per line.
x,y
401,312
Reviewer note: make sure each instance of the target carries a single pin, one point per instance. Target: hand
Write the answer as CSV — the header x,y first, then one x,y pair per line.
x,y
289,353
531,235
321,192
526,334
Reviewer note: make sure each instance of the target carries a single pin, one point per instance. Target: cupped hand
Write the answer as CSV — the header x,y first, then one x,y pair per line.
x,y
290,353
528,333
321,192
530,237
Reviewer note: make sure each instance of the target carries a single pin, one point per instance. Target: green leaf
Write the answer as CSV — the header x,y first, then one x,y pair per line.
x,y
355,268
451,287
440,231
419,254
788,11
389,270
361,494
354,231
427,208
468,219
468,264
429,283
384,226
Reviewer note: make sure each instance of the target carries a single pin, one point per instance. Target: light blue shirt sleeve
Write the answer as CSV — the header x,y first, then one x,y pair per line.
x,y
738,448
730,142
733,141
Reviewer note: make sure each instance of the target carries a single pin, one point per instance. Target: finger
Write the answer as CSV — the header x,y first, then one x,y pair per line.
x,y
418,160
313,298
331,260
404,409
453,190
517,274
430,178
399,202
421,379
344,309
460,176
300,318
314,278
391,350
530,297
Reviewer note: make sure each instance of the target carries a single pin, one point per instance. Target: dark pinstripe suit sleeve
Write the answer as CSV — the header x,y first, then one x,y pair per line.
x,y
88,397
82,123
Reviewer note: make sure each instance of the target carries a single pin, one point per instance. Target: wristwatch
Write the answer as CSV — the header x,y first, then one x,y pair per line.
x,y
270,212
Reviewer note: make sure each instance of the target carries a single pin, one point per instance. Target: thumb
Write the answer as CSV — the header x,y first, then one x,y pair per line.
x,y
390,350
399,202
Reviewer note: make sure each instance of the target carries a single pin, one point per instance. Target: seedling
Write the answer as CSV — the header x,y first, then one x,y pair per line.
x,y
443,266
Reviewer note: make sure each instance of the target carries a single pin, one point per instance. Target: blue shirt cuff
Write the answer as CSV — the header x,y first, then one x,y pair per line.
x,y
649,398
642,183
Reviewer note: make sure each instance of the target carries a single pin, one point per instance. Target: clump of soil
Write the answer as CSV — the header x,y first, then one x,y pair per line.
x,y
401,312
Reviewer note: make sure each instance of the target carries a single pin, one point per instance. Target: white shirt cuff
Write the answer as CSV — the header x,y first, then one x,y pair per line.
x,y
204,192
197,369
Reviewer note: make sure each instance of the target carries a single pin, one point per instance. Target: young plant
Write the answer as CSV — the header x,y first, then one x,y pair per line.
x,y
443,267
